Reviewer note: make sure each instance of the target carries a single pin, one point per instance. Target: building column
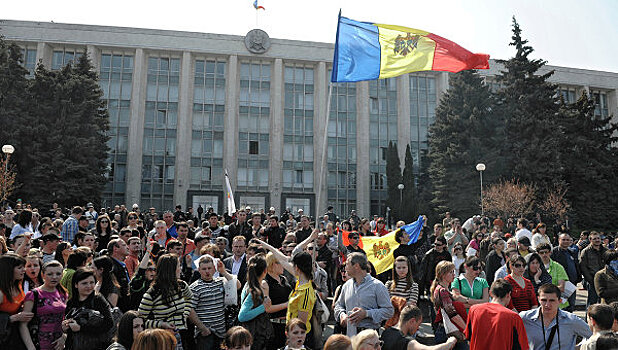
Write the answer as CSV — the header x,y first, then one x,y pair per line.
x,y
363,200
136,128
320,131
230,123
95,57
44,54
403,117
276,136
183,131
442,84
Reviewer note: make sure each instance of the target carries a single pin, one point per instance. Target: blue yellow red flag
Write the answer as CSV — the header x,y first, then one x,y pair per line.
x,y
257,7
369,51
379,251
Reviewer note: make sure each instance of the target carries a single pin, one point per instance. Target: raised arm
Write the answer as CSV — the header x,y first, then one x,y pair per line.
x,y
302,245
283,260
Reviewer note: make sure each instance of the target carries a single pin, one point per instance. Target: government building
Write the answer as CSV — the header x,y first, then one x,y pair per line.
x,y
184,107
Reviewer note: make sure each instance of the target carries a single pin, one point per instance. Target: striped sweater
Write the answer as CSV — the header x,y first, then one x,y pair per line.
x,y
411,295
155,311
208,303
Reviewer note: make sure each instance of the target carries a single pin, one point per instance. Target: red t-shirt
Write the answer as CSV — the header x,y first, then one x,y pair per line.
x,y
492,326
523,299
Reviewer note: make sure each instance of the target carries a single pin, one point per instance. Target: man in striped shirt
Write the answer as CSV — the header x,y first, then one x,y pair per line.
x,y
208,303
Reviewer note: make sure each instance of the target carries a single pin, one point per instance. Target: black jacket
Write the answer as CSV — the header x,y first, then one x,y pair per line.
x,y
122,276
493,263
561,255
237,229
242,272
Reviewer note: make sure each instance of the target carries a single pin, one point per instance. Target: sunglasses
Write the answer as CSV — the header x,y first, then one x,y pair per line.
x,y
353,238
518,266
475,267
132,217
104,222
439,245
309,248
151,269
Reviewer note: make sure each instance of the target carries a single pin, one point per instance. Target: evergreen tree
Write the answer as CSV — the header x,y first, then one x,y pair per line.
x,y
591,162
466,132
14,101
410,195
530,107
65,160
424,187
393,179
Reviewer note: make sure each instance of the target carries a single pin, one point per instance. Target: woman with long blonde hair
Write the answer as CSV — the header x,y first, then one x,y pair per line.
x,y
443,299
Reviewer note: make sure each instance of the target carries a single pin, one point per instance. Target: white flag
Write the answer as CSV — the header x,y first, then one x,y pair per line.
x,y
229,196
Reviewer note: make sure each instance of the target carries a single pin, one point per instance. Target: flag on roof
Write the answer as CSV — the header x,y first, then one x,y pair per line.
x,y
256,6
369,51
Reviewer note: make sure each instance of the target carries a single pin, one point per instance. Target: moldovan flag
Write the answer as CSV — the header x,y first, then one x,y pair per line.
x,y
369,51
379,250
229,196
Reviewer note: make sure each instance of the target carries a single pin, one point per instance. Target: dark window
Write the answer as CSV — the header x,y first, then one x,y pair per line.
x,y
253,147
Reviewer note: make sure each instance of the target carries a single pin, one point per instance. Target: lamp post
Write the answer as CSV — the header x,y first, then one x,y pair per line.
x,y
400,187
7,177
8,150
480,167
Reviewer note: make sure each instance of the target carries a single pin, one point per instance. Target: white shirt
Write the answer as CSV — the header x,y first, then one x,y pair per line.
x,y
236,264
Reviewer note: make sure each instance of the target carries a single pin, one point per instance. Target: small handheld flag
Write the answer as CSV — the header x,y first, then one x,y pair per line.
x,y
229,196
256,6
414,229
369,51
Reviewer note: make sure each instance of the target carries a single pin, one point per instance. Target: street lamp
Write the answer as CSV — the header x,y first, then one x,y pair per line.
x,y
480,167
8,150
400,187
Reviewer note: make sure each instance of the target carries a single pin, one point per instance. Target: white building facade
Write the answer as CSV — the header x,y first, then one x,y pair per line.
x,y
186,106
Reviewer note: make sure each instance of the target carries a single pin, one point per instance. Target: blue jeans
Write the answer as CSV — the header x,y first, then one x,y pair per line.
x,y
440,338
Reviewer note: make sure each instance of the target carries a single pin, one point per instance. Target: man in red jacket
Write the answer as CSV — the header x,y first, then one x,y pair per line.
x,y
493,326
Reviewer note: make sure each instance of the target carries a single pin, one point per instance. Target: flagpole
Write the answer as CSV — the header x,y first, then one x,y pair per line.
x,y
324,155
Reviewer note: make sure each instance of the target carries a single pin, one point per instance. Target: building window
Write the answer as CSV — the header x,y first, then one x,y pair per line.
x,y
422,112
254,126
207,124
29,56
601,110
298,129
116,79
382,130
160,123
341,152
253,147
61,58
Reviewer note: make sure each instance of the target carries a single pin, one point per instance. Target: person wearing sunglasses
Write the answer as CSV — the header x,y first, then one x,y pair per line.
x,y
438,253
523,297
468,287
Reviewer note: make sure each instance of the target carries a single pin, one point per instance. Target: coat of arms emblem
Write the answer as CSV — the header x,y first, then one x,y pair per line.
x,y
405,45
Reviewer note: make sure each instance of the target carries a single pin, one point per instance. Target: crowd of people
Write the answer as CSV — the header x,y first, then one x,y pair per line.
x,y
120,279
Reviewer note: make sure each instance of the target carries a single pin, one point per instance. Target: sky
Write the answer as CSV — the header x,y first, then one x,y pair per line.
x,y
571,33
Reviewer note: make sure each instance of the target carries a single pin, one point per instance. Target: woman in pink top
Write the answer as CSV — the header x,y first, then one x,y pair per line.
x,y
50,299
